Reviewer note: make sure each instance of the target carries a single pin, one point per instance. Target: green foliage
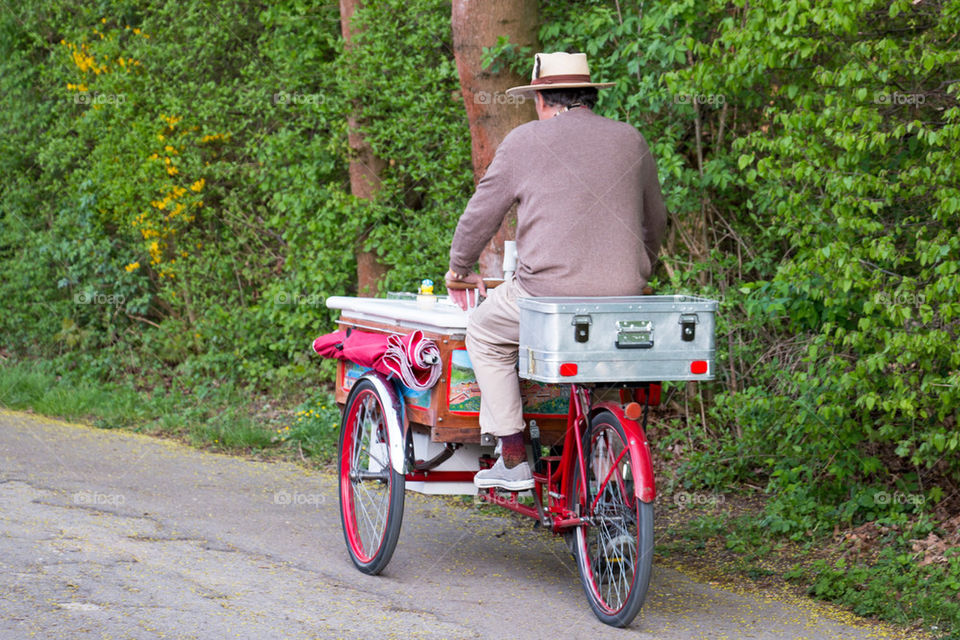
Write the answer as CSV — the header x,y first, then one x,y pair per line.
x,y
402,74
896,588
179,177
314,430
854,176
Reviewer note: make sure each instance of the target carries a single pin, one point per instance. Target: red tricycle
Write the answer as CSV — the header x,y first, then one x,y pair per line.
x,y
590,369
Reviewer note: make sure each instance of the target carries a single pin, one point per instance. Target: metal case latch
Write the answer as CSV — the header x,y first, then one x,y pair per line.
x,y
688,326
634,334
581,332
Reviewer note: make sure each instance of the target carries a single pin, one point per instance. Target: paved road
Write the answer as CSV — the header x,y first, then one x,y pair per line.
x,y
109,534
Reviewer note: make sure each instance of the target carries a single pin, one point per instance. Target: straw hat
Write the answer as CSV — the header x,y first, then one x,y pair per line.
x,y
559,71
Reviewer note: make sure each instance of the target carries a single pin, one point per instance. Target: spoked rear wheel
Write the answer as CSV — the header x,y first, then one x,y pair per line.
x,y
371,491
614,550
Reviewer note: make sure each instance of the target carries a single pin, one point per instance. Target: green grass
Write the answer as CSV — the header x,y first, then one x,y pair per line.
x,y
891,585
894,587
213,416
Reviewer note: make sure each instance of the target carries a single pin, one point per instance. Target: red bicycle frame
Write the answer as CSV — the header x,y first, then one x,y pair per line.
x,y
558,511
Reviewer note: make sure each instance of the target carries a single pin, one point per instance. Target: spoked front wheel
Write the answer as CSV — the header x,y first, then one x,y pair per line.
x,y
614,548
371,491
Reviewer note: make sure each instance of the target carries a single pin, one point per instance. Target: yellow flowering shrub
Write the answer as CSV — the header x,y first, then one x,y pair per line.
x,y
156,211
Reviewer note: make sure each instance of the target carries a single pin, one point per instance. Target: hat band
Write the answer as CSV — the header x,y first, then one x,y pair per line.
x,y
562,79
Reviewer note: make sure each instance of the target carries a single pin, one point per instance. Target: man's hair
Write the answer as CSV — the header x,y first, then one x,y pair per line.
x,y
587,96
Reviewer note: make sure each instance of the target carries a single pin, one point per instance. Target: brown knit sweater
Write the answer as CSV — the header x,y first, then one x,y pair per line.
x,y
590,216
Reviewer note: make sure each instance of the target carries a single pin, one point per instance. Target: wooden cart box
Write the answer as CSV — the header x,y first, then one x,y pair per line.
x,y
451,409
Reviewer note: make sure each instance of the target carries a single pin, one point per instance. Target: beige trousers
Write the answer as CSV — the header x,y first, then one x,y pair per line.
x,y
493,339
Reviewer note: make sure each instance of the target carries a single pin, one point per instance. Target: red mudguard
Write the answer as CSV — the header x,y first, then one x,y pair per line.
x,y
644,487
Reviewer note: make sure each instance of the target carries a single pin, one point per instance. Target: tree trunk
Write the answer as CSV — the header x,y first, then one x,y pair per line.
x,y
490,112
365,171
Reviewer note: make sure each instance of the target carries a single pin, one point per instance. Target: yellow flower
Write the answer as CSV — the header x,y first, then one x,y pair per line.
x,y
170,149
172,171
133,266
214,137
198,185
103,21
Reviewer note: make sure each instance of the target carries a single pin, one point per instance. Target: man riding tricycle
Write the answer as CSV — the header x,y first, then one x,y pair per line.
x,y
537,398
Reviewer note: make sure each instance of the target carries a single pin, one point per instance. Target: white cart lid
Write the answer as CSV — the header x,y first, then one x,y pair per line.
x,y
442,316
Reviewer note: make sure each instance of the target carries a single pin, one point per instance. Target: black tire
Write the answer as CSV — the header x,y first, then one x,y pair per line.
x,y
614,551
371,491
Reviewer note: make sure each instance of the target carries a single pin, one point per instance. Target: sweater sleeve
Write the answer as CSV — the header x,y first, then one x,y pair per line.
x,y
654,210
494,196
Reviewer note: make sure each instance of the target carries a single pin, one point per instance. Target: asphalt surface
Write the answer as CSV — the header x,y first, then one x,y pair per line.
x,y
107,534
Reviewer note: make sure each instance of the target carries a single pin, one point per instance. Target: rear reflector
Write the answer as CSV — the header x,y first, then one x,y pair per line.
x,y
698,366
568,369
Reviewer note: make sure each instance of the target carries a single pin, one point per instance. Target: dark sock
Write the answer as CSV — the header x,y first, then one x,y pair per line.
x,y
512,450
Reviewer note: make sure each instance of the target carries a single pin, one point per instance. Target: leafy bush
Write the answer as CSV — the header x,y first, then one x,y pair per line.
x,y
183,195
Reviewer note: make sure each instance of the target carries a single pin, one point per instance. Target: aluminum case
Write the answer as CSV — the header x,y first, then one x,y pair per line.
x,y
617,339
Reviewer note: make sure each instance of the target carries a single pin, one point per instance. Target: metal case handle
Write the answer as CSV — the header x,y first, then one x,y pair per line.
x,y
634,334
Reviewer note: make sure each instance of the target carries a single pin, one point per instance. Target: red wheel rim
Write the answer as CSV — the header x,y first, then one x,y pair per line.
x,y
365,440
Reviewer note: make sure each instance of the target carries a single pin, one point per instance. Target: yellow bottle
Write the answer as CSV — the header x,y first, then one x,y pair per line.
x,y
425,296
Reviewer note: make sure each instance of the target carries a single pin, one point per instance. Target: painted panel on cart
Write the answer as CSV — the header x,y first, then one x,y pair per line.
x,y
352,372
463,393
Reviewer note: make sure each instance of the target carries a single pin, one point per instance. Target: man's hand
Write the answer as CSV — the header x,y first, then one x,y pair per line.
x,y
466,290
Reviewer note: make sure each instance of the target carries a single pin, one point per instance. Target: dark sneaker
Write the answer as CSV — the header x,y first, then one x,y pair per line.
x,y
519,478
